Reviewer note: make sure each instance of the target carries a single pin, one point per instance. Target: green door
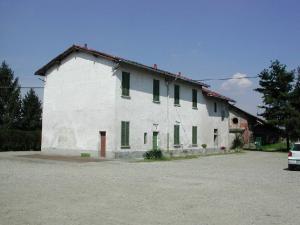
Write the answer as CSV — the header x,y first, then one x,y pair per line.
x,y
154,141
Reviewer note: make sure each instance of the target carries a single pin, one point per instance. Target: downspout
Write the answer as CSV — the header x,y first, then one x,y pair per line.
x,y
168,135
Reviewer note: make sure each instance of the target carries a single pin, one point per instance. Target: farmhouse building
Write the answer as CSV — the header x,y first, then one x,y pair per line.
x,y
107,105
250,128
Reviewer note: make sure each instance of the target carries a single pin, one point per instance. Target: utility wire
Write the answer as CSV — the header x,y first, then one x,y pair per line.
x,y
207,79
228,78
24,87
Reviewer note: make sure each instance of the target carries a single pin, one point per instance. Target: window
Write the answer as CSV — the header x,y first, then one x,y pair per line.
x,y
223,115
215,107
125,83
145,138
194,135
194,98
235,120
216,137
124,134
176,94
176,135
155,90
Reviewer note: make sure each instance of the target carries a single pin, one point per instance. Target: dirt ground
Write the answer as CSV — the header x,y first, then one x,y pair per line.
x,y
247,188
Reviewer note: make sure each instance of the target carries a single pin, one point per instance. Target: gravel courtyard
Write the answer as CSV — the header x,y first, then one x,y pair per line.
x,y
247,188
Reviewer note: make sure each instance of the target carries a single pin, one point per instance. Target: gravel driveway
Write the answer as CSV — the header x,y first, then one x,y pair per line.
x,y
242,189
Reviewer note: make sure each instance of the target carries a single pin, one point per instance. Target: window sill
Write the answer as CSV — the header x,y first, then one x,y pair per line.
x,y
194,145
125,147
156,102
126,96
177,146
177,105
196,108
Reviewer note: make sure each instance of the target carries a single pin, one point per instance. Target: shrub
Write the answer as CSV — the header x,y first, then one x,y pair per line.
x,y
85,154
19,140
237,142
204,146
153,154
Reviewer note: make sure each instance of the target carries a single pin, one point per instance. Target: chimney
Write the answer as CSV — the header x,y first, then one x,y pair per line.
x,y
155,66
85,45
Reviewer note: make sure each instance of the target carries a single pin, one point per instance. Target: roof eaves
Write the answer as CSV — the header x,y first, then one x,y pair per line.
x,y
213,94
60,57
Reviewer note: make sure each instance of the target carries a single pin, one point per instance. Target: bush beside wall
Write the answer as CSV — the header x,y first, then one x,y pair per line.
x,y
19,140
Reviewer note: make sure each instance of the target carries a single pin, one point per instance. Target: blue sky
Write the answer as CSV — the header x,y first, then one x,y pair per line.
x,y
201,39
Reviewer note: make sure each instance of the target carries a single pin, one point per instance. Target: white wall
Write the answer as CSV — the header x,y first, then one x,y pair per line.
x,y
142,113
83,96
79,101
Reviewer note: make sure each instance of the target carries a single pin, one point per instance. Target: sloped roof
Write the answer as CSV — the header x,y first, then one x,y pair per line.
x,y
210,93
235,108
75,48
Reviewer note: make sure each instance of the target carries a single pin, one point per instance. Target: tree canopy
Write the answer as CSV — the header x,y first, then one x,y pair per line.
x,y
280,97
31,111
10,98
15,112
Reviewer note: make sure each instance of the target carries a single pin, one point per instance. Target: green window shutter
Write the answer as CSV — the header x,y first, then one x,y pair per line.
x,y
124,134
127,134
176,135
194,135
156,90
176,94
123,128
125,83
145,138
195,98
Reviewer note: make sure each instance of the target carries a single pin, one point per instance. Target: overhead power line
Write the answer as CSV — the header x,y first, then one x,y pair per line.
x,y
24,87
207,79
228,78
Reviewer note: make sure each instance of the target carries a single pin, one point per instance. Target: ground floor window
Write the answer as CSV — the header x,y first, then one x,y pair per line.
x,y
176,135
216,137
145,138
125,134
194,135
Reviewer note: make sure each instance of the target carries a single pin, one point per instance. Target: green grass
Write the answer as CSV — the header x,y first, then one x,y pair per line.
x,y
277,147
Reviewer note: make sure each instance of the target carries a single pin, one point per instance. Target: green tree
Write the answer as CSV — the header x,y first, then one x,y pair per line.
x,y
276,85
10,100
295,103
31,111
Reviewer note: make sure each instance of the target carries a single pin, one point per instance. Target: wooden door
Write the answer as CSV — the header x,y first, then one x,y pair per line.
x,y
154,141
102,144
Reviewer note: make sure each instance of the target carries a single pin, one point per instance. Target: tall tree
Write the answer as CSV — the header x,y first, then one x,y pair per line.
x,y
31,111
10,100
295,103
276,84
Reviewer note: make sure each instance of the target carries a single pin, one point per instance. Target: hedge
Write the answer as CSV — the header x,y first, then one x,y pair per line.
x,y
20,140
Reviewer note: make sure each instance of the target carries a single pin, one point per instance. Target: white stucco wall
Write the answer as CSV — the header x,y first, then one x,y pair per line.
x,y
144,115
82,96
79,101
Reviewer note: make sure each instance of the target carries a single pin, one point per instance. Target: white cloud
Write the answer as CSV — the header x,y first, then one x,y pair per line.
x,y
239,82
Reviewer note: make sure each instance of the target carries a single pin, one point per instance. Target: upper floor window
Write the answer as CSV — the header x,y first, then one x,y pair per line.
x,y
125,83
194,98
176,94
215,107
155,90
